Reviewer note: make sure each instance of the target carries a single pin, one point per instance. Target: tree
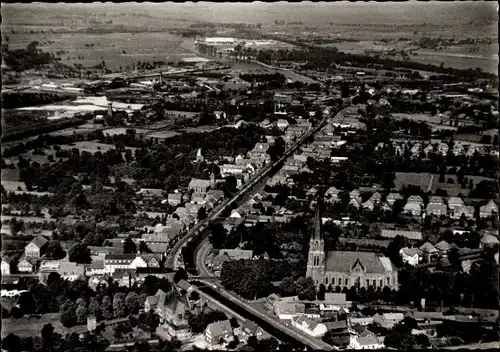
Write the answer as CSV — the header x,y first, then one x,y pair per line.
x,y
80,253
81,314
394,247
95,308
321,292
119,305
399,337
11,343
234,322
305,288
129,246
107,308
287,287
151,320
47,331
132,303
54,250
202,214
454,258
68,314
143,247
181,274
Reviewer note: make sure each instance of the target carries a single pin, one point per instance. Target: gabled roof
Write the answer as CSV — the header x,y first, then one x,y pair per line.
x,y
306,322
427,247
414,235
455,200
39,241
443,245
343,261
411,252
220,328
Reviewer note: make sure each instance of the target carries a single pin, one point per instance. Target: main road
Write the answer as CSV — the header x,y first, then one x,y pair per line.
x,y
173,256
269,323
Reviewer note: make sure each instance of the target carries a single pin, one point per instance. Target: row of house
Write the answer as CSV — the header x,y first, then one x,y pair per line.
x,y
454,207
415,148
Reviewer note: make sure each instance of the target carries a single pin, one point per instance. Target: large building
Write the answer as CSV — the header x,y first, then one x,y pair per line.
x,y
217,41
347,269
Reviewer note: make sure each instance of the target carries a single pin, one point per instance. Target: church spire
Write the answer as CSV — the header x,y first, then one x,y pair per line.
x,y
318,223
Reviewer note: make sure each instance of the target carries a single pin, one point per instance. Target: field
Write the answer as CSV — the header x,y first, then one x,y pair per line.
x,y
115,49
455,56
424,180
92,147
433,121
122,130
27,326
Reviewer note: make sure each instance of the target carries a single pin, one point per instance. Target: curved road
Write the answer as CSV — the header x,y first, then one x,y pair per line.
x,y
316,344
173,256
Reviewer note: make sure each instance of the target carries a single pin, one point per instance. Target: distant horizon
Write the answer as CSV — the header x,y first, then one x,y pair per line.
x,y
341,12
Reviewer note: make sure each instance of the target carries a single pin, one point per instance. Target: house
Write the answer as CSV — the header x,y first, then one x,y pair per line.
x,y
172,309
466,210
197,185
354,194
71,271
49,265
488,210
455,203
436,200
282,124
410,256
309,326
411,235
287,310
150,193
376,198
271,301
333,302
198,198
174,199
386,207
489,241
429,251
36,248
218,332
113,262
443,148
436,209
370,342
95,268
368,205
5,266
429,148
415,200
393,197
228,254
387,320
443,247
356,202
26,265
414,209
249,328
361,321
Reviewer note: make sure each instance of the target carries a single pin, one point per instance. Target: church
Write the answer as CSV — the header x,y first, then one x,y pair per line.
x,y
347,269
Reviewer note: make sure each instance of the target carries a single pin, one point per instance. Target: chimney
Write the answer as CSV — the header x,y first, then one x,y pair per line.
x,y
110,108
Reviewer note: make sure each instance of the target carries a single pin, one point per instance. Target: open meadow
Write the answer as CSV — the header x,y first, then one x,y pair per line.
x,y
424,179
31,326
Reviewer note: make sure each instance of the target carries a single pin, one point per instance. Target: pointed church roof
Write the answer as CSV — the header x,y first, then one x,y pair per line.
x,y
318,223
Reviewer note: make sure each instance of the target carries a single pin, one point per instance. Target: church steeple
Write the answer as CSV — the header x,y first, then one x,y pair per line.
x,y
316,259
318,224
